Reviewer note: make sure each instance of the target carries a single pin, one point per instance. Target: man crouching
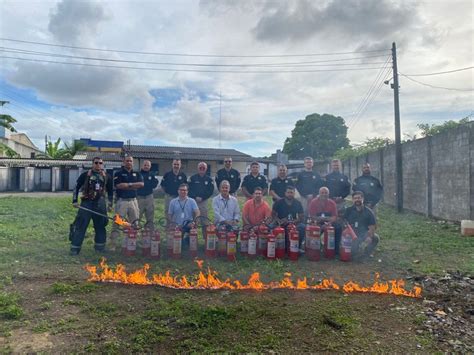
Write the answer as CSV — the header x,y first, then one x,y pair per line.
x,y
362,220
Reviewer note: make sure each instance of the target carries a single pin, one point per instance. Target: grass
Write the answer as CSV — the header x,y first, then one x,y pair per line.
x,y
43,291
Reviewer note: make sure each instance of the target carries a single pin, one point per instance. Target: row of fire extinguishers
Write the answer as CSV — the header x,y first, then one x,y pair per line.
x,y
254,241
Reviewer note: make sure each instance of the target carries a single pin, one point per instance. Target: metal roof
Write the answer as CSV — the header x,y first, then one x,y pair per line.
x,y
189,153
9,162
89,155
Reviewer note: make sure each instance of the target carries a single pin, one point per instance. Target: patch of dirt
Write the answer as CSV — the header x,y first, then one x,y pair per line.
x,y
22,341
449,310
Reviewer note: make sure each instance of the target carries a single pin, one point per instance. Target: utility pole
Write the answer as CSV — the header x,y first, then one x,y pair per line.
x,y
220,117
398,142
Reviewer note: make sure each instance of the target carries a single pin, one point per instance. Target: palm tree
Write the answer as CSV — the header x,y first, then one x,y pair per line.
x,y
6,121
53,151
75,146
9,152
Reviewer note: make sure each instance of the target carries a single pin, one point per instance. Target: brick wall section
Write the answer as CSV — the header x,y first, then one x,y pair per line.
x,y
450,155
389,180
438,173
414,175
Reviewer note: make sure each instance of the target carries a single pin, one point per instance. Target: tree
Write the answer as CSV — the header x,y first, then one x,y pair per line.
x,y
9,152
6,121
74,147
370,145
430,130
53,150
318,136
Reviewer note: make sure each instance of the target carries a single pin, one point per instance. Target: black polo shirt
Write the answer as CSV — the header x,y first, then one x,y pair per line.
x,y
308,183
251,182
279,185
360,221
201,186
232,176
171,182
150,182
370,186
283,209
128,177
338,184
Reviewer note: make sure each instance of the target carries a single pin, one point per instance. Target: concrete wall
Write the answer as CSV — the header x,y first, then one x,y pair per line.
x,y
437,173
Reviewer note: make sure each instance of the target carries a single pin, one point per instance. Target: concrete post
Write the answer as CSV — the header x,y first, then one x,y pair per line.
x,y
29,178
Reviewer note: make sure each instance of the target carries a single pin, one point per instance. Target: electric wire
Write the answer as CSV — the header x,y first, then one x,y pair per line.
x,y
433,86
441,72
188,54
311,63
188,70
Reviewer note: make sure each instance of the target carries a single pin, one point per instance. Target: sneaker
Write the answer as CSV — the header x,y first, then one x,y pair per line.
x,y
74,252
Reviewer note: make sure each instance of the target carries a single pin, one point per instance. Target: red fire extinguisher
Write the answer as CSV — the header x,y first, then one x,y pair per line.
x,y
146,242
193,241
252,252
244,243
131,242
169,242
231,246
313,242
177,241
271,247
279,234
345,250
294,244
329,242
211,241
262,240
222,243
155,245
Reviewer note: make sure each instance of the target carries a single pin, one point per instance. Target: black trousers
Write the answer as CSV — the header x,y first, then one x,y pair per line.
x,y
82,222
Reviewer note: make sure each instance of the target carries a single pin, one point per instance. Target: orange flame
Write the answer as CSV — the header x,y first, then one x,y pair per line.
x,y
120,221
211,281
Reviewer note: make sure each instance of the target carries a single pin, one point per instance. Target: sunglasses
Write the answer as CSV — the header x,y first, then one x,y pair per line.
x,y
98,163
227,161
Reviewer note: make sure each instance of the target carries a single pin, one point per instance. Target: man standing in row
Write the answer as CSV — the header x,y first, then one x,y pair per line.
x,y
126,182
229,174
338,184
253,180
201,187
225,206
370,186
171,181
308,183
280,183
94,183
146,201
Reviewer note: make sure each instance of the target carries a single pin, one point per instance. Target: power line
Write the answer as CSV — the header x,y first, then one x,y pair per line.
x,y
364,101
439,73
311,63
188,54
189,70
433,86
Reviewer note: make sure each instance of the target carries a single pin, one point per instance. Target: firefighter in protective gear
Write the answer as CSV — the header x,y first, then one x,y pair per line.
x,y
95,183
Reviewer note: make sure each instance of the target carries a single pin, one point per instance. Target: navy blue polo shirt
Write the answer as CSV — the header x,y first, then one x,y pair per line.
x,y
279,185
150,182
201,186
308,183
128,177
251,182
338,184
360,220
232,176
171,182
370,186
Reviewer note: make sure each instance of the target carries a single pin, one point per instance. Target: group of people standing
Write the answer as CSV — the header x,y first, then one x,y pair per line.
x,y
320,201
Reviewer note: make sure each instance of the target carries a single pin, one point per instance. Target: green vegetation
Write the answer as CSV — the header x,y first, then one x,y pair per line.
x,y
44,295
431,130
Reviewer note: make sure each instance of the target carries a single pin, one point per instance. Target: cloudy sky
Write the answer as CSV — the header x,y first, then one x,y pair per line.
x,y
166,72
